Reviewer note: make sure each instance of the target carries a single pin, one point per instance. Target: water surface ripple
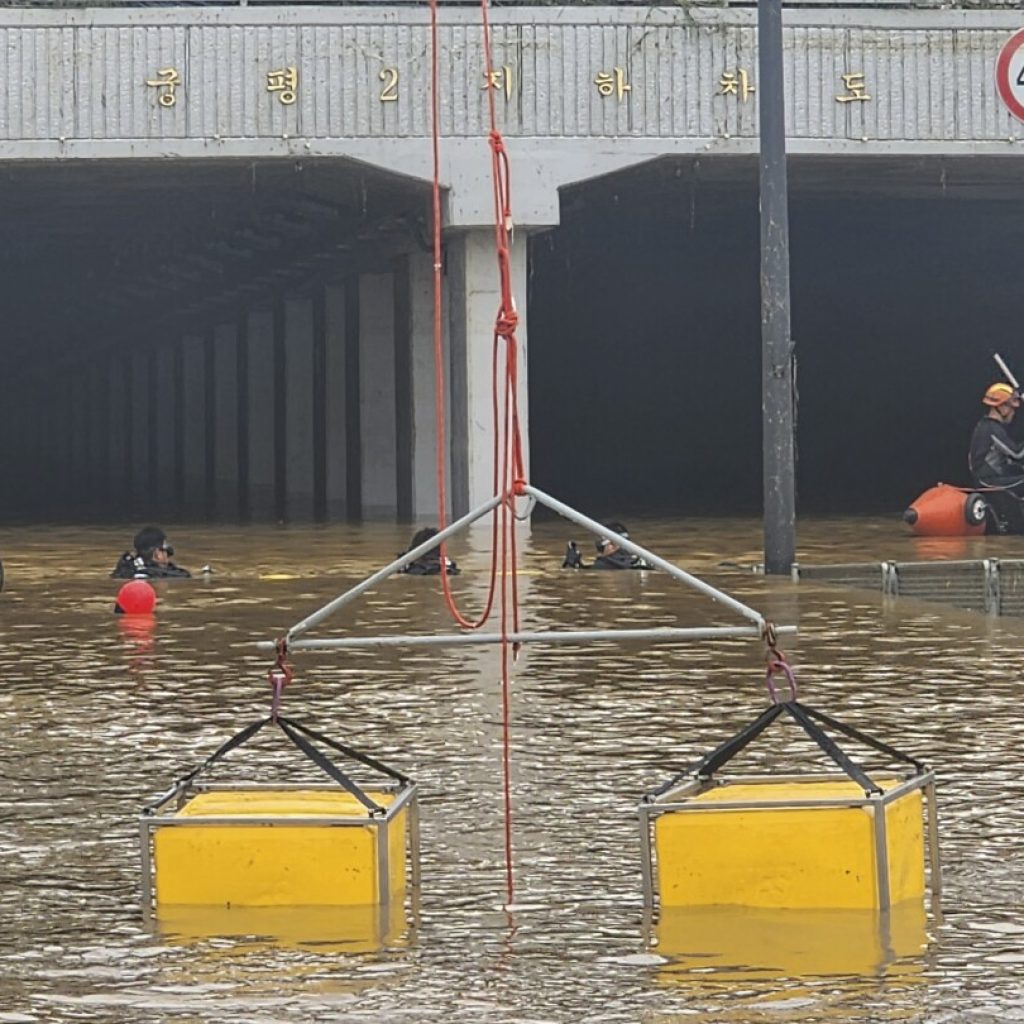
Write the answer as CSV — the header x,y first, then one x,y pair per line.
x,y
97,717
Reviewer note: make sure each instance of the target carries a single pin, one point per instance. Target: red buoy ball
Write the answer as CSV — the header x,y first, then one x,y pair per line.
x,y
135,598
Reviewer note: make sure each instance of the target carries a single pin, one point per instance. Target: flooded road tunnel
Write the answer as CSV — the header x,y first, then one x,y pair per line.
x,y
244,339
207,339
645,331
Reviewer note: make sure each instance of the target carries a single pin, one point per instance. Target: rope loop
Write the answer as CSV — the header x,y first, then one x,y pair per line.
x,y
279,676
778,665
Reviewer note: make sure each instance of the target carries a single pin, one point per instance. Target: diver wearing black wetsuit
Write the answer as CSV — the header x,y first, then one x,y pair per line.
x,y
150,560
609,554
430,563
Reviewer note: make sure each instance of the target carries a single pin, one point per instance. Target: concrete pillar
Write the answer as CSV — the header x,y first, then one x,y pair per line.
x,y
378,435
165,394
260,367
139,440
193,373
225,421
299,476
422,391
474,297
336,462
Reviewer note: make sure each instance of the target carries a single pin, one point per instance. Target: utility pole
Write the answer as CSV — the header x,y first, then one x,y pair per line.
x,y
776,345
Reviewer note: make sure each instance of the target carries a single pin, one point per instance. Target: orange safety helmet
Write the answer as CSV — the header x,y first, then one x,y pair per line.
x,y
999,394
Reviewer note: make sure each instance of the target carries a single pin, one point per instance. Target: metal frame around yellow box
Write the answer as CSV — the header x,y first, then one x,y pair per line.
x,y
684,799
400,812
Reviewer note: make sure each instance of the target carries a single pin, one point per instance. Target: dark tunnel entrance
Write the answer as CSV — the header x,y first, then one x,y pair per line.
x,y
111,266
645,331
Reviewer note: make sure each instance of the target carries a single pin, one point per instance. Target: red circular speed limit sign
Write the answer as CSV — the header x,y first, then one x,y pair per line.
x,y
1010,74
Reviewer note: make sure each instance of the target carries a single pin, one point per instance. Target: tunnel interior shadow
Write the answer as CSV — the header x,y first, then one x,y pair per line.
x,y
645,362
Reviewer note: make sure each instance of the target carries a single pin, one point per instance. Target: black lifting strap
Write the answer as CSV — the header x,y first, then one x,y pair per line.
x,y
722,754
297,734
831,748
348,751
240,737
807,718
868,741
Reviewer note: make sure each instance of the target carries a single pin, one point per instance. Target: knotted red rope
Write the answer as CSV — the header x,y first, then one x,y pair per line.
x,y
509,472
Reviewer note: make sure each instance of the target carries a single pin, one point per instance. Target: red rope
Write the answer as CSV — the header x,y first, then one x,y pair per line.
x,y
509,471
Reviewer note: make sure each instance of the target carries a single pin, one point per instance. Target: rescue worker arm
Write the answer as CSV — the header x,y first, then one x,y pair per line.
x,y
1014,454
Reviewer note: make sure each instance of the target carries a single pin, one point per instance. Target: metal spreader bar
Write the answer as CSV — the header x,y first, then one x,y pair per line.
x,y
652,559
659,634
389,570
563,636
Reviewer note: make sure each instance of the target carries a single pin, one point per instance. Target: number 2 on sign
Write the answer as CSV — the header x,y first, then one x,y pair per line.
x,y
389,76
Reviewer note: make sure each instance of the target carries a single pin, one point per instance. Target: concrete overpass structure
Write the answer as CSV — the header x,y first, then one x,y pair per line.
x,y
217,282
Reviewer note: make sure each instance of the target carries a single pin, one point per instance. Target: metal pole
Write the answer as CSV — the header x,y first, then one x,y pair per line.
x,y
658,634
651,559
1006,370
933,838
389,570
878,809
646,863
777,346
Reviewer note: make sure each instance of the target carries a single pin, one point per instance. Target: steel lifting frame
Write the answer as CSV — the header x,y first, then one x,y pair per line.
x,y
756,630
163,813
675,801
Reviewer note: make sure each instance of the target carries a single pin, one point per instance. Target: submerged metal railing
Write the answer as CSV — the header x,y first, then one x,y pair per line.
x,y
991,585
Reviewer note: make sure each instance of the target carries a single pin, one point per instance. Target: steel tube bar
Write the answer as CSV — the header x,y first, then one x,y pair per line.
x,y
648,556
146,883
389,570
1002,366
881,855
646,862
933,838
755,805
658,634
778,444
414,843
382,839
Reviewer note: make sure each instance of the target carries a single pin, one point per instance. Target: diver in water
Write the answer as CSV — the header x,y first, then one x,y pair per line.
x,y
430,563
150,559
609,554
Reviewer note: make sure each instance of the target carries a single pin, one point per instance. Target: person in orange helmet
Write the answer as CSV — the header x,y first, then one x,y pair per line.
x,y
996,458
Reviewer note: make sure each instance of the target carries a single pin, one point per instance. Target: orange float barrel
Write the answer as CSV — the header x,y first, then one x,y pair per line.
x,y
947,511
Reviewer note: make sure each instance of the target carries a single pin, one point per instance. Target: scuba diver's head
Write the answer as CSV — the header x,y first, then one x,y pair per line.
x,y
1003,398
422,536
602,542
151,544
